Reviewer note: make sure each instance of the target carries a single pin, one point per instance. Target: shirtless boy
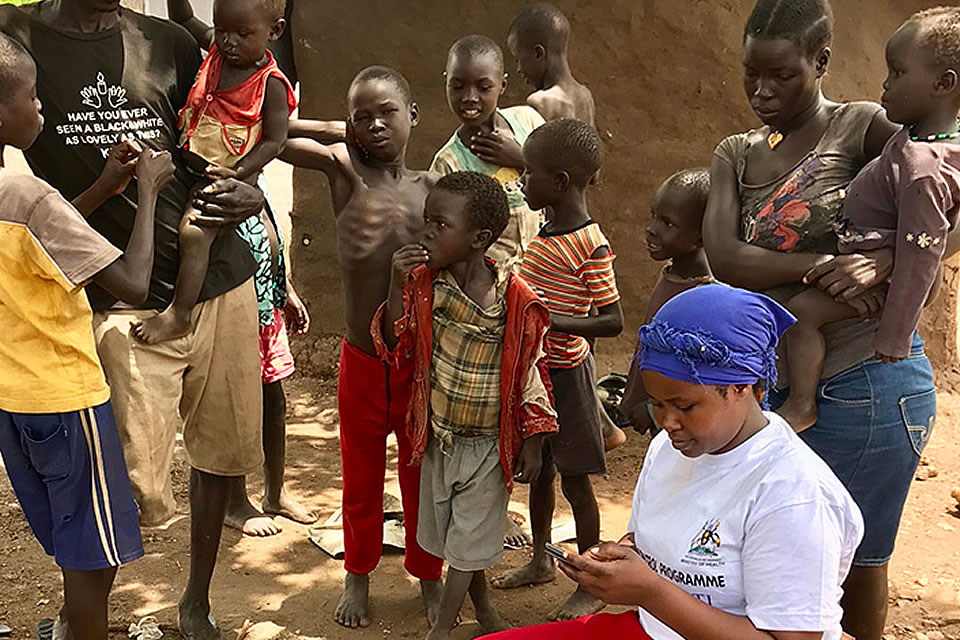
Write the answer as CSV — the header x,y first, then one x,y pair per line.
x,y
378,204
538,39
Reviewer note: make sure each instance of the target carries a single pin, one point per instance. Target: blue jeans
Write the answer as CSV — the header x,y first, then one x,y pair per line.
x,y
874,421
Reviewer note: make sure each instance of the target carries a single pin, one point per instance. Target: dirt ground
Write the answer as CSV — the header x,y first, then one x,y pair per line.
x,y
289,588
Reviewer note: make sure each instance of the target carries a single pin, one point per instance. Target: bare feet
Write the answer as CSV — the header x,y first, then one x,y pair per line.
x,y
251,522
799,414
195,623
287,507
165,326
540,573
579,604
490,621
354,608
613,438
515,537
431,591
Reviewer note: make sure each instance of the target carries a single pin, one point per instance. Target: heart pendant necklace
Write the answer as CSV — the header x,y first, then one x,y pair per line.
x,y
774,139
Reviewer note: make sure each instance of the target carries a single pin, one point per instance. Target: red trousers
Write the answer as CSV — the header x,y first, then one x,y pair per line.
x,y
624,626
372,399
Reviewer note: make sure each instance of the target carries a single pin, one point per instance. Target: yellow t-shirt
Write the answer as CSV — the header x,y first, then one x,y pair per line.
x,y
47,253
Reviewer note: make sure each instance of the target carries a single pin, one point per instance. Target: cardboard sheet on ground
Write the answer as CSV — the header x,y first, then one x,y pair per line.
x,y
329,535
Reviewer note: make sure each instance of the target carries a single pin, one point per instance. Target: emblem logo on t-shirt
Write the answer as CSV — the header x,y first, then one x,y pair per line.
x,y
100,94
705,546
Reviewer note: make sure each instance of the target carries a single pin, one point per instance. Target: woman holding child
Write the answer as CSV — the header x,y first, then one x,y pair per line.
x,y
775,195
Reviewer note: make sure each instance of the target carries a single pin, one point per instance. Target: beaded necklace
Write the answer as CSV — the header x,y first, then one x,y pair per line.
x,y
935,137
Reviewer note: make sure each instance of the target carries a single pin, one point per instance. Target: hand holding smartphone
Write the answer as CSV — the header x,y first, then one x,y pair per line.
x,y
557,553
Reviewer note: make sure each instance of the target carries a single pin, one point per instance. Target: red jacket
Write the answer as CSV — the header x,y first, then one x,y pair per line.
x,y
524,340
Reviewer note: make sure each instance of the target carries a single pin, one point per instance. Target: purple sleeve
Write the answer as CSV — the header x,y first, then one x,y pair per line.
x,y
922,228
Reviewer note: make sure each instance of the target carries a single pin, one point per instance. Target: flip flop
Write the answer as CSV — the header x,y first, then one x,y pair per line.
x,y
45,629
5,631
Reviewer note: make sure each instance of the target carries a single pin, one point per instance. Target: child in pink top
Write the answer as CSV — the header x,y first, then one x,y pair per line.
x,y
907,199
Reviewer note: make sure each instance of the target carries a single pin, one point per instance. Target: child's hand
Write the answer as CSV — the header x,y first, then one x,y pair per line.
x,y
530,461
497,148
295,313
639,417
155,169
406,259
119,168
216,172
870,303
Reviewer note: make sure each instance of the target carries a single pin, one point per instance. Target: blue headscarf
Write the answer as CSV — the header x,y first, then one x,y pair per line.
x,y
715,335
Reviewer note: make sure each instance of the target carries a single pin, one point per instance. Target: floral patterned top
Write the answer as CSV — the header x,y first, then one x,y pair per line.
x,y
800,211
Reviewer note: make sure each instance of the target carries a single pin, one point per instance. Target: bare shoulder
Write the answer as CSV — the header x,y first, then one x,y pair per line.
x,y
552,103
427,178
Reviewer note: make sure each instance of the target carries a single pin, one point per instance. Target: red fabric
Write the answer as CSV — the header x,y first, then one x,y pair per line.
x,y
372,399
240,105
527,324
276,359
624,626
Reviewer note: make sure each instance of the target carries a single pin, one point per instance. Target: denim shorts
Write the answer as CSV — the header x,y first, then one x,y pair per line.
x,y
874,421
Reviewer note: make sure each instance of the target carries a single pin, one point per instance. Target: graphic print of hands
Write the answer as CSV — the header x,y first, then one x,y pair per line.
x,y
90,97
117,96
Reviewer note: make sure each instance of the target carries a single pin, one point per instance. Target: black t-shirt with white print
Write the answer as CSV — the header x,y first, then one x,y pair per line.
x,y
97,89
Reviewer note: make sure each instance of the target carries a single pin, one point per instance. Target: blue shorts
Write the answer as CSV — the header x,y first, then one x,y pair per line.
x,y
68,472
874,421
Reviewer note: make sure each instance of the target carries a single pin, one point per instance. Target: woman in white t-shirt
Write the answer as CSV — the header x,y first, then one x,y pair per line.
x,y
739,531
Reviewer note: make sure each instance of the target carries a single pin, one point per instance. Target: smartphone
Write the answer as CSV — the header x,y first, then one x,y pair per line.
x,y
557,553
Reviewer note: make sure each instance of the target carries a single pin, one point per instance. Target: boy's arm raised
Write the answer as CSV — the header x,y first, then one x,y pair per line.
x,y
323,131
128,278
181,12
405,260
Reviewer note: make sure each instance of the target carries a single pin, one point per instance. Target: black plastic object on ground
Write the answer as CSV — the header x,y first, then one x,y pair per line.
x,y
610,389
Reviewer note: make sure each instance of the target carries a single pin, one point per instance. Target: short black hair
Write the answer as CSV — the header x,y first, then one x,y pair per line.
x,y
569,145
696,182
276,9
476,46
542,23
487,206
12,56
379,72
809,23
940,34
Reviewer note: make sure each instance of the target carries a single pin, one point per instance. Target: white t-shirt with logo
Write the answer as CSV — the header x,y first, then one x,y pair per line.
x,y
765,531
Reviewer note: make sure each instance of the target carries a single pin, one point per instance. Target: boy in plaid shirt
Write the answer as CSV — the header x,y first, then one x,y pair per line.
x,y
480,403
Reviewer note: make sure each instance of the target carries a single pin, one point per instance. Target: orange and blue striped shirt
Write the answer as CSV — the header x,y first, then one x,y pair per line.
x,y
562,270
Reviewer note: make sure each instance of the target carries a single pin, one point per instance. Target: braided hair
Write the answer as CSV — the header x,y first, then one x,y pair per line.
x,y
809,23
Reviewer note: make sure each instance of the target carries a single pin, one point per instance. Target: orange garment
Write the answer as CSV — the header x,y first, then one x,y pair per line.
x,y
561,268
223,125
523,344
